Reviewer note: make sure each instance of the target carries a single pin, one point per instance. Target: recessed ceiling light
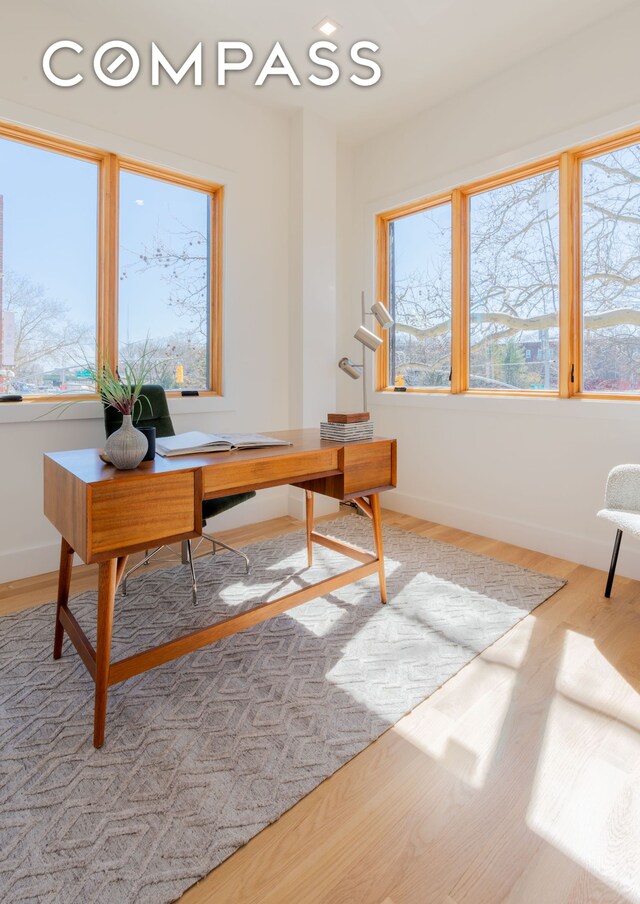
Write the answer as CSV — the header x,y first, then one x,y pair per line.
x,y
327,27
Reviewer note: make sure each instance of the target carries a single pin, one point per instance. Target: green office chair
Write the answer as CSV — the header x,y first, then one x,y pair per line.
x,y
153,411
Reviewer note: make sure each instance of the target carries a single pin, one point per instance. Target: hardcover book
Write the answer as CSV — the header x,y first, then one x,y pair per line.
x,y
196,441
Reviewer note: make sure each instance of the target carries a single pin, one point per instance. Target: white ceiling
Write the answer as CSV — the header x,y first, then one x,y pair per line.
x,y
429,49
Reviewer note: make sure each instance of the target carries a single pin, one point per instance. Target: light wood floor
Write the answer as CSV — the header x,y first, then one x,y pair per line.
x,y
518,781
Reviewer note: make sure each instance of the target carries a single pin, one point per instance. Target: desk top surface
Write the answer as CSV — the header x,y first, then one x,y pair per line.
x,y
86,465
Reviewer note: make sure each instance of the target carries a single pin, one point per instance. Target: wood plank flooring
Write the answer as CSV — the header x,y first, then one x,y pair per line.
x,y
518,781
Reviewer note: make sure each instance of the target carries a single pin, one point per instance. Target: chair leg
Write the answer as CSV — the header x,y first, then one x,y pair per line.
x,y
614,562
238,552
187,559
145,561
215,543
194,585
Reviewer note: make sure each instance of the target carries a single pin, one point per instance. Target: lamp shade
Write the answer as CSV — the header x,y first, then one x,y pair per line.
x,y
347,365
367,338
382,315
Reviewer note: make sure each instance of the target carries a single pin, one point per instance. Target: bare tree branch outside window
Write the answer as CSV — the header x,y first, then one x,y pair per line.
x,y
514,283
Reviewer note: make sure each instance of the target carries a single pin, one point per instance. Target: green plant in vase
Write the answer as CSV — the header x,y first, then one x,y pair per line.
x,y
126,447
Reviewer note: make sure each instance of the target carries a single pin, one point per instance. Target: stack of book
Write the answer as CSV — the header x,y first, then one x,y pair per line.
x,y
347,428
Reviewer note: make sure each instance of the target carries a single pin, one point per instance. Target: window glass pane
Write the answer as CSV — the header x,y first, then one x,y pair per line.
x,y
48,283
513,285
611,272
420,297
164,279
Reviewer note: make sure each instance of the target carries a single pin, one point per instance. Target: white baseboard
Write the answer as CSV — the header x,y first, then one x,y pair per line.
x,y
35,560
541,538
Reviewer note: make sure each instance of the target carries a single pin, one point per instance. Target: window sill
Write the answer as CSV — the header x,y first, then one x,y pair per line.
x,y
508,405
91,409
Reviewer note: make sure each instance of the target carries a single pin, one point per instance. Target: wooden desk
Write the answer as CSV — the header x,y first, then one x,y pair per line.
x,y
104,515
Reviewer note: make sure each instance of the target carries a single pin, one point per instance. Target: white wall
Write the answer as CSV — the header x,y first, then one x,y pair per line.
x,y
312,297
312,225
210,133
529,471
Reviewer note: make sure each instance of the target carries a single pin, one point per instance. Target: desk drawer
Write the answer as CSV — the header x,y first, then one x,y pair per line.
x,y
222,478
367,467
129,513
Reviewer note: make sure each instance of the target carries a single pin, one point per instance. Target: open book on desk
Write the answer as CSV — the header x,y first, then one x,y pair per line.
x,y
195,441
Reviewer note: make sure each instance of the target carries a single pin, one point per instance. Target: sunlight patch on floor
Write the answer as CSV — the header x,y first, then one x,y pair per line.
x,y
512,648
465,746
585,799
307,616
416,633
599,684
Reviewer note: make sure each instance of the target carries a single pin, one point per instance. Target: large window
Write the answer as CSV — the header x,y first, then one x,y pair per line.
x,y
611,272
513,285
165,254
420,294
539,270
101,256
48,270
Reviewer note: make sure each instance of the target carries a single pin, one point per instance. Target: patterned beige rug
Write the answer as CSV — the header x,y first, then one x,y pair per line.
x,y
204,752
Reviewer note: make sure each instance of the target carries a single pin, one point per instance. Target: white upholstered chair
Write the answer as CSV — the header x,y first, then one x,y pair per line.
x,y
622,508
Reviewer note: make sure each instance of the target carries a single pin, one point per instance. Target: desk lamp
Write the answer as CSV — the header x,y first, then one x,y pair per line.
x,y
369,340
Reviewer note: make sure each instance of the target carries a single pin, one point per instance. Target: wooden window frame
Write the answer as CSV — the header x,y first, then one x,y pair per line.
x,y
547,165
569,166
579,154
109,167
382,281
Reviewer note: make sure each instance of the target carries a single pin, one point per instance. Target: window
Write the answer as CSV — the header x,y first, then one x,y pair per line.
x,y
543,287
611,272
165,253
100,254
48,270
513,285
420,295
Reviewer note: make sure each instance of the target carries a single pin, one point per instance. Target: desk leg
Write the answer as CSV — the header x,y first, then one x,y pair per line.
x,y
106,596
64,582
374,501
309,500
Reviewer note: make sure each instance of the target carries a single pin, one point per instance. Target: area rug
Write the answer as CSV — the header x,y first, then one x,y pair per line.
x,y
204,752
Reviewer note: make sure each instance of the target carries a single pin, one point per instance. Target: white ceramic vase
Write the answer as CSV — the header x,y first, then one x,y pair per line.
x,y
127,446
